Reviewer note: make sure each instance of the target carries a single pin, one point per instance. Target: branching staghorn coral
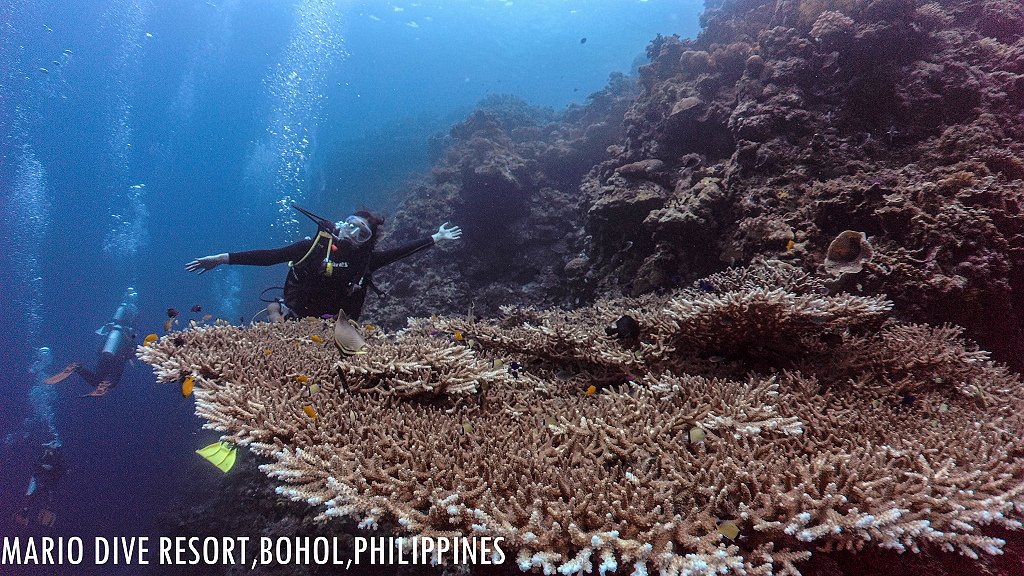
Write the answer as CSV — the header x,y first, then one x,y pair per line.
x,y
580,450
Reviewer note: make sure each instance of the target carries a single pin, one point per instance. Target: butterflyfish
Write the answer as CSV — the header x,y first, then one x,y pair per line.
x,y
187,386
316,338
697,434
149,340
310,411
314,388
467,428
370,327
458,336
302,378
591,390
267,351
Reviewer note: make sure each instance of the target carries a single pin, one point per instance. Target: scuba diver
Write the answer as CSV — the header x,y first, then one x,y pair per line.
x,y
329,274
115,351
46,473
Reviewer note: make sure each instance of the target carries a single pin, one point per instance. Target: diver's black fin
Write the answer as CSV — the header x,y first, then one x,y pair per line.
x,y
321,222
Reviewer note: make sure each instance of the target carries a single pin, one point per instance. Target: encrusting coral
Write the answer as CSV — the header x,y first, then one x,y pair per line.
x,y
755,420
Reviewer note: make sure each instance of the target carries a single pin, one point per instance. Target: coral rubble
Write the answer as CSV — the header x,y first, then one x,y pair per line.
x,y
756,421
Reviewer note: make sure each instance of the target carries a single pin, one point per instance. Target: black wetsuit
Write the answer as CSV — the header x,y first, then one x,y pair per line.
x,y
309,291
109,368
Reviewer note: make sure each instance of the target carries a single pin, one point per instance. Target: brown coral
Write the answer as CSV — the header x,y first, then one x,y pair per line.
x,y
807,440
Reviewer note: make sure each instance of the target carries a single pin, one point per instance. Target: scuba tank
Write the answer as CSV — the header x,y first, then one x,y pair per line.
x,y
119,333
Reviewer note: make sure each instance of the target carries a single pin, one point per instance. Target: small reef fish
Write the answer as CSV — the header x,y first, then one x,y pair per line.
x,y
467,428
625,328
148,341
316,338
789,245
187,386
729,529
370,327
314,388
583,40
168,324
192,324
591,390
267,351
433,317
706,286
302,378
310,411
498,363
458,336
172,312
326,316
206,317
697,435
197,308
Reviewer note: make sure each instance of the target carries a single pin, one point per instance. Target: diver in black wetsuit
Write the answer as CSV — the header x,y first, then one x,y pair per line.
x,y
46,473
115,351
329,273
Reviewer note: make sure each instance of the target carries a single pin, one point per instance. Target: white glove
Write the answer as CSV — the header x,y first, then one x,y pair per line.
x,y
446,233
207,263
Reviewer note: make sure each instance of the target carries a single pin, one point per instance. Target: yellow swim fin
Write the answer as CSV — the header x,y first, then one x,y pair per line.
x,y
220,454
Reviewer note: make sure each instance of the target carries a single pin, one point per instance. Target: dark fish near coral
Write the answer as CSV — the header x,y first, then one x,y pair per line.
x,y
583,40
706,286
625,328
172,312
197,308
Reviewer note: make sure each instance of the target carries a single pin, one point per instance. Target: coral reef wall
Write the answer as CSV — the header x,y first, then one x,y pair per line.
x,y
783,124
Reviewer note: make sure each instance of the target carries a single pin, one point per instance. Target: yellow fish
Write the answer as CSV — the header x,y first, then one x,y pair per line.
x,y
370,327
310,411
267,351
591,390
187,386
790,244
729,529
302,378
458,336
697,434
316,338
433,317
498,363
149,340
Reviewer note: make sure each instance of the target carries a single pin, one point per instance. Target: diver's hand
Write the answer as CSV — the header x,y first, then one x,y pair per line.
x,y
446,232
207,263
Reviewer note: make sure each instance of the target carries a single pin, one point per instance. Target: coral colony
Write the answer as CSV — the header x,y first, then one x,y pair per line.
x,y
798,209
804,442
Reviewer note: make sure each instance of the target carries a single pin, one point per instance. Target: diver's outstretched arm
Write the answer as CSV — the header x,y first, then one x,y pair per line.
x,y
207,263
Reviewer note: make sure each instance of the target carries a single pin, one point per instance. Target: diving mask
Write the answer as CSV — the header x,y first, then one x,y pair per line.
x,y
355,229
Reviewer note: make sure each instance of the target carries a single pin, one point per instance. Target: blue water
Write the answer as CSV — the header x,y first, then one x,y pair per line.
x,y
163,131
